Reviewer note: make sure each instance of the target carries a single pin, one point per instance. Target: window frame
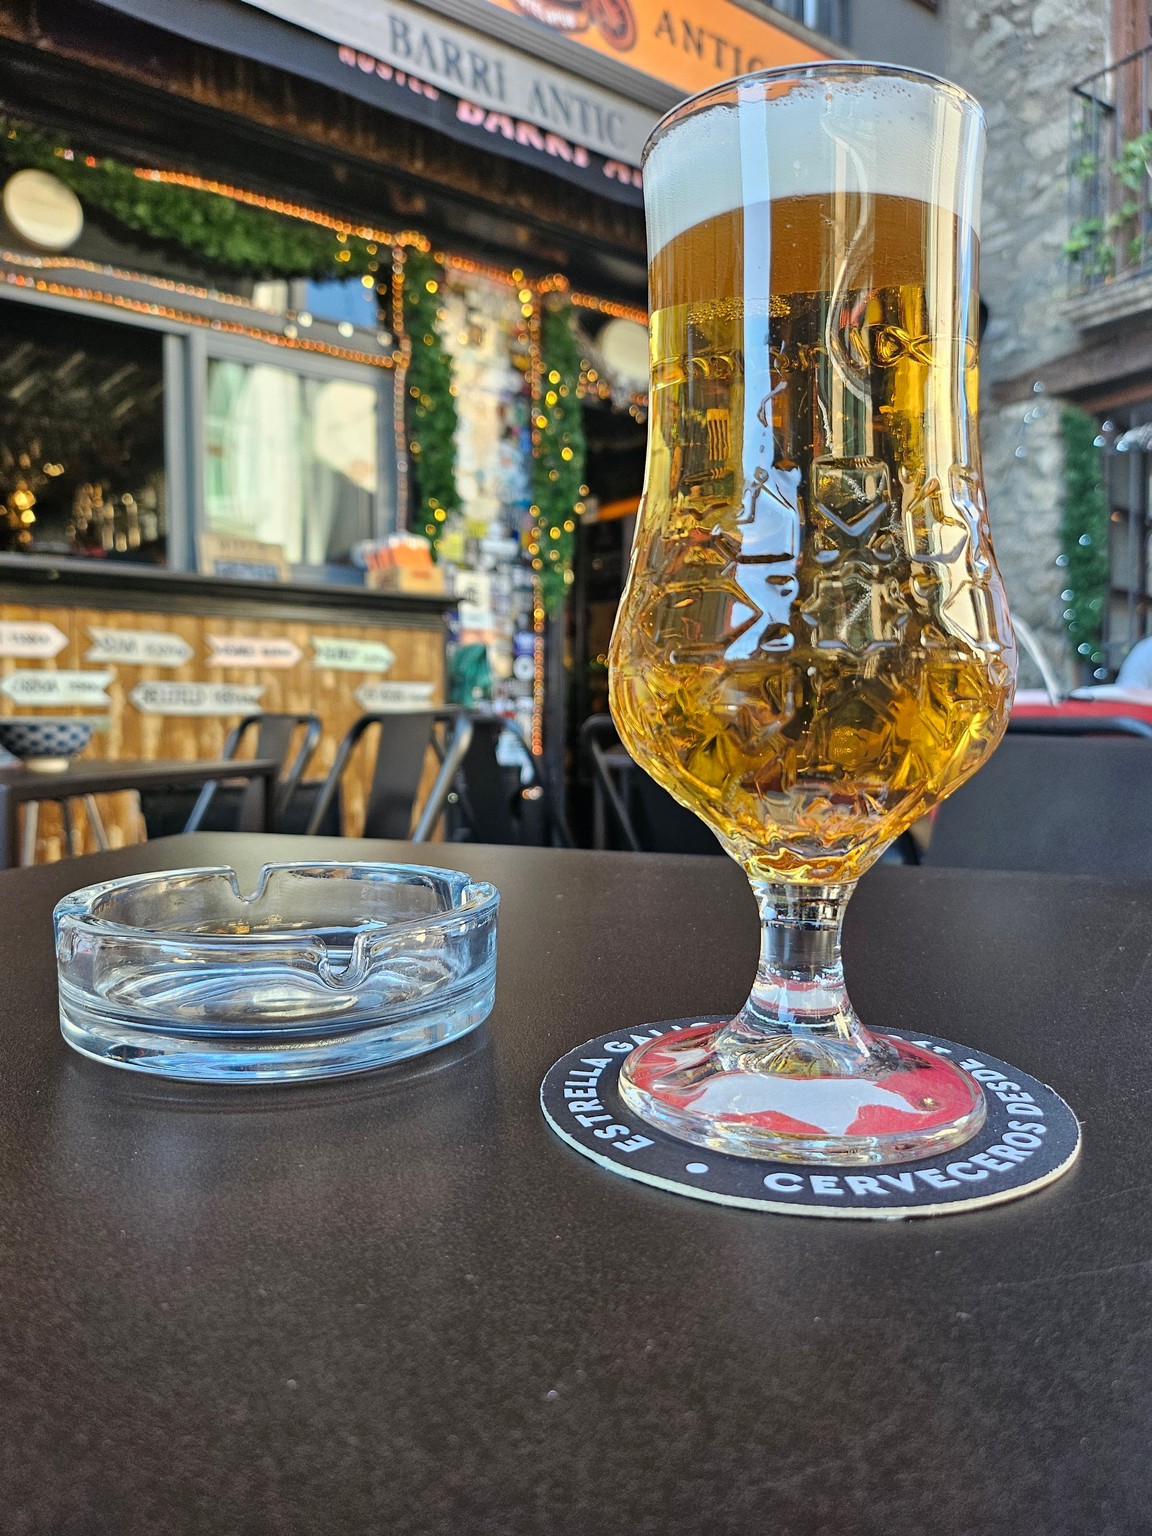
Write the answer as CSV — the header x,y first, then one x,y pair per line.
x,y
807,13
215,346
186,350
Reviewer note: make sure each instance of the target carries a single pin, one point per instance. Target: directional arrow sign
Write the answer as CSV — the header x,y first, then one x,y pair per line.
x,y
195,699
352,655
252,651
382,697
27,637
137,647
57,687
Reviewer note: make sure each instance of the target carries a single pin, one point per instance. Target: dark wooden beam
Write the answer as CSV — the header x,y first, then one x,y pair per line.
x,y
1119,361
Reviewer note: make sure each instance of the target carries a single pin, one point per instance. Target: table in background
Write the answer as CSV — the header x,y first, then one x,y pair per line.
x,y
397,1303
86,777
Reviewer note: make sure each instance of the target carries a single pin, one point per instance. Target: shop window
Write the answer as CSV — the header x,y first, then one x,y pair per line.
x,y
81,436
291,459
349,302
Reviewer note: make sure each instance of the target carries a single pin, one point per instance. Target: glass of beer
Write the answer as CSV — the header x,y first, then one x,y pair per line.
x,y
813,647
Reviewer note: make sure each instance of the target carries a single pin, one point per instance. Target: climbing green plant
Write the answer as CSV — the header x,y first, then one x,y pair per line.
x,y
1083,537
430,405
1096,243
559,454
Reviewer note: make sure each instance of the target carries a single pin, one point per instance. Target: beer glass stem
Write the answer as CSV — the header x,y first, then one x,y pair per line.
x,y
798,1018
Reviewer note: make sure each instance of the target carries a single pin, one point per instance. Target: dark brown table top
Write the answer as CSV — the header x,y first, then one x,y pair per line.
x,y
91,776
397,1304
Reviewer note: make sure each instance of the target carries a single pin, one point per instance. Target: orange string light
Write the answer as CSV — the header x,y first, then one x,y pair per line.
x,y
187,317
165,284
610,307
470,267
537,670
404,357
554,282
299,211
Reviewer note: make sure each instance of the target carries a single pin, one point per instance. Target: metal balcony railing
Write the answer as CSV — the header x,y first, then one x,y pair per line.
x,y
1110,173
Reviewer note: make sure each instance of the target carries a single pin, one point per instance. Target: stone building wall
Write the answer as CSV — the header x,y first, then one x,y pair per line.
x,y
899,32
1019,58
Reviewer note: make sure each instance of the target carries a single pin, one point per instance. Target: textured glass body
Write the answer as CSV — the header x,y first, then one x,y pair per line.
x,y
813,647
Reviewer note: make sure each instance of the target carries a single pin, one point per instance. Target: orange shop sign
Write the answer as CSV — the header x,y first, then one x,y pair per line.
x,y
687,45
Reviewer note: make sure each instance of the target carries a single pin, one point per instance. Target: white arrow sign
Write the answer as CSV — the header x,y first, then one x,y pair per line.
x,y
352,655
252,651
57,687
196,699
30,638
137,647
380,698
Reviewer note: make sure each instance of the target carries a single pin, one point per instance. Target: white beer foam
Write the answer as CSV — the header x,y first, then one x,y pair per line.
x,y
881,134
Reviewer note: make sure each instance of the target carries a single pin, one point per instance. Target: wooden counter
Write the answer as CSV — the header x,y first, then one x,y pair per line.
x,y
133,603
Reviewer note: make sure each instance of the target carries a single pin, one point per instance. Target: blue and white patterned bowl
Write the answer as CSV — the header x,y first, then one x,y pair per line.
x,y
47,744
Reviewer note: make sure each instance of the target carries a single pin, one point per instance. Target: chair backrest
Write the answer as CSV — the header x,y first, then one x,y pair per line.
x,y
486,789
1078,725
1053,803
290,739
396,773
641,816
398,765
489,800
486,800
599,741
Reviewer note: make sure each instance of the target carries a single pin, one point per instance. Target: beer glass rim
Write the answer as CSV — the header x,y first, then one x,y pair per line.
x,y
816,70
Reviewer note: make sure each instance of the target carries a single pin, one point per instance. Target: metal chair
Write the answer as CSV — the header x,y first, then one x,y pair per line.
x,y
398,769
493,801
483,801
643,817
276,735
1078,802
31,827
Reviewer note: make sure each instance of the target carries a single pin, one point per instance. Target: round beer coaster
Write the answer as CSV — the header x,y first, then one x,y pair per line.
x,y
1030,1138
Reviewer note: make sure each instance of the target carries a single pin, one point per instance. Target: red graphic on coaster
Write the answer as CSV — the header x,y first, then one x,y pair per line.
x,y
613,19
915,1095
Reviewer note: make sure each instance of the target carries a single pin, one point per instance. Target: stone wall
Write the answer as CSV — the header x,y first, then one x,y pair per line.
x,y
899,32
1020,59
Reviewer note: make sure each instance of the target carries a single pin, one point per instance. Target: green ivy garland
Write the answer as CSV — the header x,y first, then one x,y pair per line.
x,y
251,241
1083,537
559,455
430,412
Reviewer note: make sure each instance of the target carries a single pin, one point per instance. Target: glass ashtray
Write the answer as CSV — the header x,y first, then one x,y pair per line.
x,y
325,969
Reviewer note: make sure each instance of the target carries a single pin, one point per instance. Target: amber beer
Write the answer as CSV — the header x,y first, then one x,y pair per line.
x,y
813,647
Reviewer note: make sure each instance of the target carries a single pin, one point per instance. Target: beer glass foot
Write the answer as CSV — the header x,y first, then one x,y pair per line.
x,y
795,1076
902,1103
